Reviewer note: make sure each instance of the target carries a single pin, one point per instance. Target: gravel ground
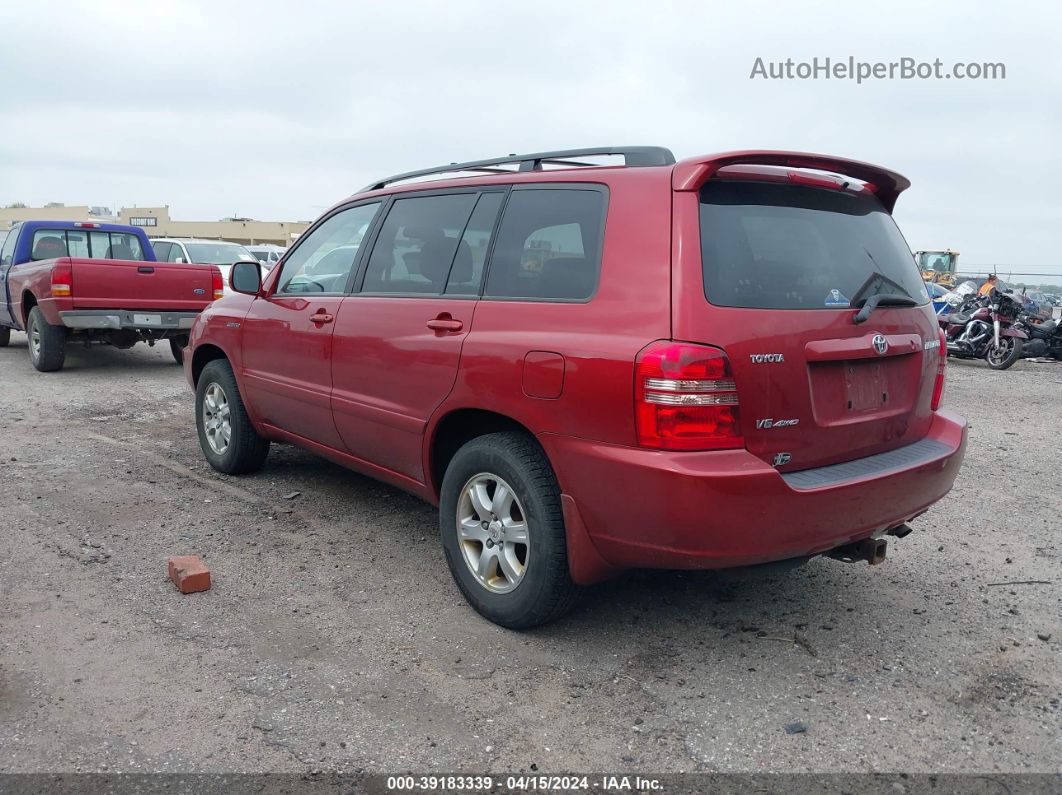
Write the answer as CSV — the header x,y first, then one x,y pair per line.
x,y
333,638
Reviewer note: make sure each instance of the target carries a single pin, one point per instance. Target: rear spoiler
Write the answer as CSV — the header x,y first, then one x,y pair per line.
x,y
691,174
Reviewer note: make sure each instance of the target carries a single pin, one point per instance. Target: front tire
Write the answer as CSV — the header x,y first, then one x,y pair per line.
x,y
1008,352
5,336
47,343
503,531
226,435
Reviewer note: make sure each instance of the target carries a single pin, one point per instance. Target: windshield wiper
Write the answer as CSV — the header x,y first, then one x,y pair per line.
x,y
878,289
882,299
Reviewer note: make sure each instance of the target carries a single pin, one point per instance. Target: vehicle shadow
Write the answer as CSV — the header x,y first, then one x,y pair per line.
x,y
81,357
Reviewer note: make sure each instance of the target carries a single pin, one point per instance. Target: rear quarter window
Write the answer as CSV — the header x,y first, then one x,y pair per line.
x,y
779,246
548,245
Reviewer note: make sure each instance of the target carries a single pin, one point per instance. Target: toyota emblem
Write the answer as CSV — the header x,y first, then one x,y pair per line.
x,y
880,343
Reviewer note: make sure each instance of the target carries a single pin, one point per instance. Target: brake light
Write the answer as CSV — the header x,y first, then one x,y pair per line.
x,y
938,386
62,280
86,225
685,398
217,282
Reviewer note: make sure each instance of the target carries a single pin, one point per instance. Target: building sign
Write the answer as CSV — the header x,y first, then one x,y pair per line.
x,y
144,220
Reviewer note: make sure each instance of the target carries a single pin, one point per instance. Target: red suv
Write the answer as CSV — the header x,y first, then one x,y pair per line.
x,y
718,362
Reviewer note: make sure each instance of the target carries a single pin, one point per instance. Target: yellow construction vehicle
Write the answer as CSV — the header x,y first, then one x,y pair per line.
x,y
938,266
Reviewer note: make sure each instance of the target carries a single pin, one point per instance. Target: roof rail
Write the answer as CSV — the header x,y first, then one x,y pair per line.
x,y
632,156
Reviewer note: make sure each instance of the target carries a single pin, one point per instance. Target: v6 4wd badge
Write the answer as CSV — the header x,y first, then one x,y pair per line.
x,y
772,423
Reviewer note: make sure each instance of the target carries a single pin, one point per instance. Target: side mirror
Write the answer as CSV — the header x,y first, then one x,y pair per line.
x,y
246,278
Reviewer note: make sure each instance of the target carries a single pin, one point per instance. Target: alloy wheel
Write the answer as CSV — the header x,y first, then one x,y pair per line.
x,y
216,422
493,533
998,354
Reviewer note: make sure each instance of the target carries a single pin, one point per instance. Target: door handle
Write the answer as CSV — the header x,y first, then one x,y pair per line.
x,y
321,317
444,322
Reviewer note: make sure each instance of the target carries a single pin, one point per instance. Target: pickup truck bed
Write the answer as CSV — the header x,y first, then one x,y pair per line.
x,y
109,289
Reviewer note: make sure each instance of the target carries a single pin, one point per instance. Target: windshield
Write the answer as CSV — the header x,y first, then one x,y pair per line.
x,y
780,246
218,253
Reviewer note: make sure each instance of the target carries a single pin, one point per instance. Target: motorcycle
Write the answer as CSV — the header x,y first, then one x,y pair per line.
x,y
1044,339
984,327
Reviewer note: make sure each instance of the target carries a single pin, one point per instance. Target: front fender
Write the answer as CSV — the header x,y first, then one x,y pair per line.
x,y
1010,331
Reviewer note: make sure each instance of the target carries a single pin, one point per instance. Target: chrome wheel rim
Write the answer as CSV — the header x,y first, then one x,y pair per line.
x,y
35,342
998,355
216,421
492,531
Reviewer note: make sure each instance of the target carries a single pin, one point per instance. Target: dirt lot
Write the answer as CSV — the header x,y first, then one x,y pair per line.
x,y
334,639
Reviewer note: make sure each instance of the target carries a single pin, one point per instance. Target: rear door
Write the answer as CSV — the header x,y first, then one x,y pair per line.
x,y
287,335
398,339
775,279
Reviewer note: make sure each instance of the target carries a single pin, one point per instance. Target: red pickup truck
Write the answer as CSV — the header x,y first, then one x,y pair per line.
x,y
62,281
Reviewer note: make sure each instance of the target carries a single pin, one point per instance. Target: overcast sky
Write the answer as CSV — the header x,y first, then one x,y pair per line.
x,y
276,111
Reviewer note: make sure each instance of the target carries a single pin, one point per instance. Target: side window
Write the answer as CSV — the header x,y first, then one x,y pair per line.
x,y
467,269
417,244
48,244
162,251
324,258
548,246
7,252
177,253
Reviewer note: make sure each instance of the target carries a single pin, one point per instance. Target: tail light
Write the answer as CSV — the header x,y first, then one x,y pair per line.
x,y
62,280
942,363
685,398
217,282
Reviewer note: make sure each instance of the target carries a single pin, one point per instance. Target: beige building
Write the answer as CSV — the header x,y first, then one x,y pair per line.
x,y
156,222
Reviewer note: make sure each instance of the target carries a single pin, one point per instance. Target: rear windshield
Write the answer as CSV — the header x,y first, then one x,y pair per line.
x,y
53,243
779,246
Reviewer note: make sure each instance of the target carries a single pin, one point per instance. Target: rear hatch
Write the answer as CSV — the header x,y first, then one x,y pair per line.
x,y
785,262
128,284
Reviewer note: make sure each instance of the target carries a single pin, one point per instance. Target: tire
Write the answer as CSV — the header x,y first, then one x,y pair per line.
x,y
47,343
177,345
219,410
5,336
532,586
1007,357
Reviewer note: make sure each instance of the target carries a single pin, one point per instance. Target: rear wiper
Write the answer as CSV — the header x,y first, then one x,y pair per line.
x,y
882,299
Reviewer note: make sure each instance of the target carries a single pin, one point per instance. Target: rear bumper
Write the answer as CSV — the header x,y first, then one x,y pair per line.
x,y
652,509
127,319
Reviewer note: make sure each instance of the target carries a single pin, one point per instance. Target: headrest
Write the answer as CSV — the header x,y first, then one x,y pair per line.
x,y
49,248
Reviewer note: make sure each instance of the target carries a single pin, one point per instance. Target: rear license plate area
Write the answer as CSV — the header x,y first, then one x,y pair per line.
x,y
856,390
866,387
147,320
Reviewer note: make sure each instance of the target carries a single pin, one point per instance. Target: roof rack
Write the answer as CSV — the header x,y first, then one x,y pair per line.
x,y
632,156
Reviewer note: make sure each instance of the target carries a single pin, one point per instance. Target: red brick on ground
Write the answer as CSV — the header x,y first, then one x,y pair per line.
x,y
189,574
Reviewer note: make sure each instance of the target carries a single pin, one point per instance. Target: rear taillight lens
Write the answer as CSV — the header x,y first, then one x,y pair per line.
x,y
942,363
217,282
685,398
62,280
